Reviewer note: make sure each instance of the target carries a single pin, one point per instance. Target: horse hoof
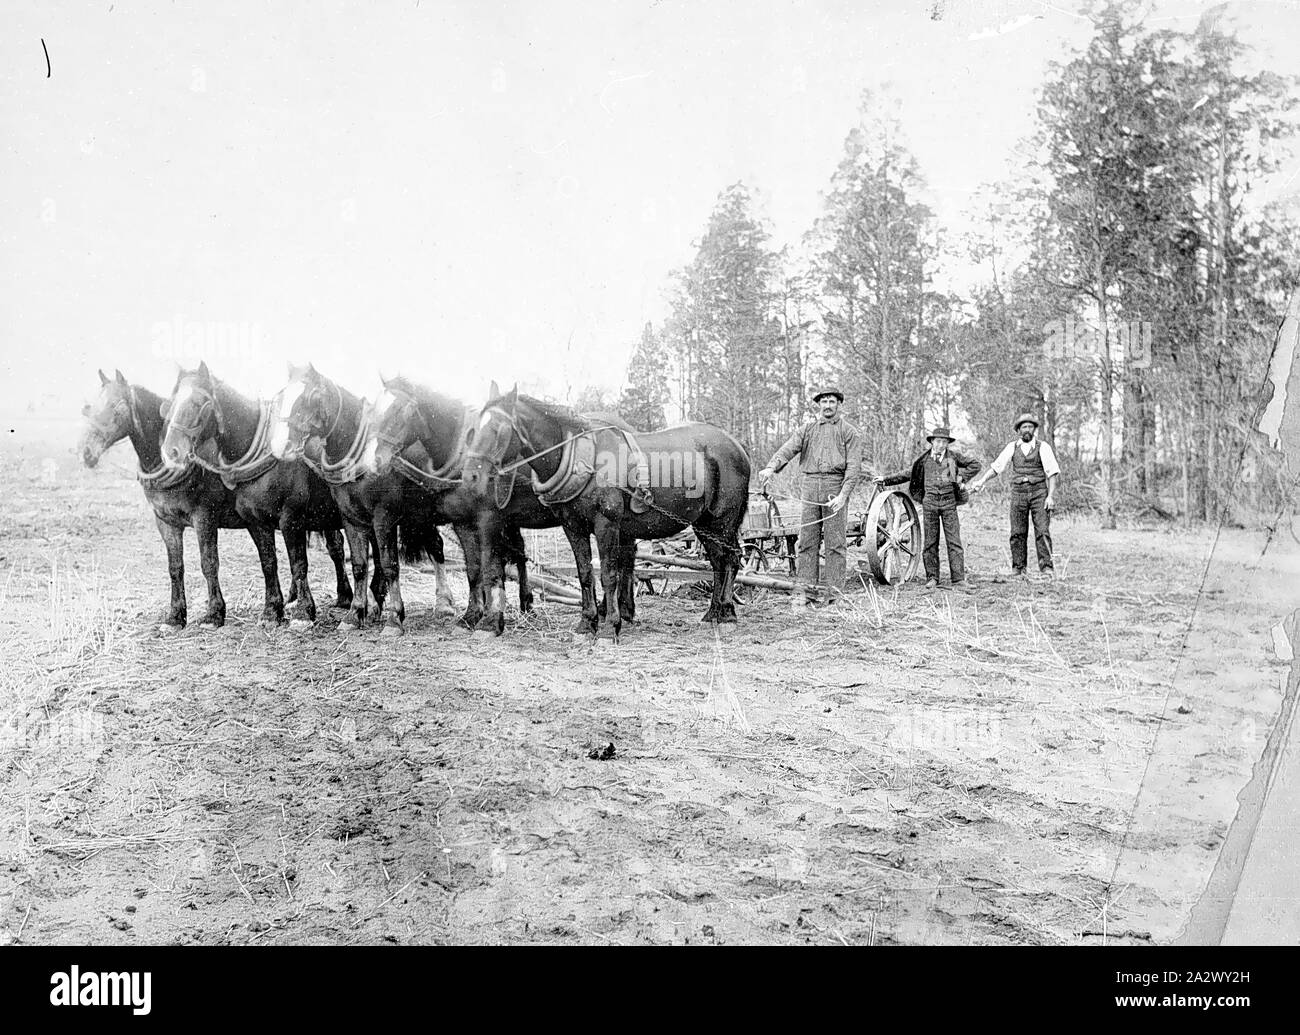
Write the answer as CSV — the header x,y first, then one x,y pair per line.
x,y
168,630
444,611
299,624
393,630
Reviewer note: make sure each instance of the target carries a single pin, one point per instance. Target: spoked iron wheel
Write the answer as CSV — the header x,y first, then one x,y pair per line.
x,y
755,563
894,552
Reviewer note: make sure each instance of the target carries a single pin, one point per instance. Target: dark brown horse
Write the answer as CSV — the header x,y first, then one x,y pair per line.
x,y
208,422
411,416
582,468
180,497
328,428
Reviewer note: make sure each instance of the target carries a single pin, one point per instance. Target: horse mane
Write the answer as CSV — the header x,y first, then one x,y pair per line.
x,y
147,414
425,396
566,416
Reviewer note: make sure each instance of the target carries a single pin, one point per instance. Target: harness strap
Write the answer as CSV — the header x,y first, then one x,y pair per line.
x,y
447,476
348,467
164,477
577,468
255,462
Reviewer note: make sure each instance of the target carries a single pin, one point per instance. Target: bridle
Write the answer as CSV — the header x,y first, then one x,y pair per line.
x,y
208,406
405,405
299,427
123,410
472,454
495,462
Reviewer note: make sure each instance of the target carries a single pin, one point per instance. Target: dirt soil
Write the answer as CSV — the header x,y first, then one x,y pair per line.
x,y
1032,763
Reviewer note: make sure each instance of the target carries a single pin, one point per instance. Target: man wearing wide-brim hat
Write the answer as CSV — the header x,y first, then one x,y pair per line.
x,y
937,481
1034,472
830,456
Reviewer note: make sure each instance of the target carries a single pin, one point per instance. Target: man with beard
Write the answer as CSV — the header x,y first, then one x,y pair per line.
x,y
1034,471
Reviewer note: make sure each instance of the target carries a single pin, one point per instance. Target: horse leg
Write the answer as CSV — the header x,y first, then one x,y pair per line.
x,y
472,549
264,540
359,547
445,601
493,578
378,583
580,542
517,553
205,530
295,541
611,575
722,551
386,533
334,544
627,585
174,540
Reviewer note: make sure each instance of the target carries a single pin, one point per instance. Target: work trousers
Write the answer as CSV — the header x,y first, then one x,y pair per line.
x,y
818,526
1030,500
943,511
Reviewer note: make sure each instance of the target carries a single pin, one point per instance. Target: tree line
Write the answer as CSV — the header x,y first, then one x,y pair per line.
x,y
1131,287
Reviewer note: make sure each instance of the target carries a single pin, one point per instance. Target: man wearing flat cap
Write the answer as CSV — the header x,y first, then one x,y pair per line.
x,y
937,481
1034,472
830,456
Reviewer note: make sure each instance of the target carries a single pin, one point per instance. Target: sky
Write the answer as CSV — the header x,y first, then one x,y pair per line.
x,y
460,192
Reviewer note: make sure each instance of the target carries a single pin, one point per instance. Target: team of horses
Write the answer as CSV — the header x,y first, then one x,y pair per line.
x,y
388,474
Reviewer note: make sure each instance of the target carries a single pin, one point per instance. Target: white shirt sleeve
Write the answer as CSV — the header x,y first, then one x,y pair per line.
x,y
1050,466
1000,464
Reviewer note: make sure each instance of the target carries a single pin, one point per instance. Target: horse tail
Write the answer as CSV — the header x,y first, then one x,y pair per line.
x,y
420,542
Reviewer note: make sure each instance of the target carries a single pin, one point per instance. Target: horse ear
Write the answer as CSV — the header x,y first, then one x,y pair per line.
x,y
103,380
164,407
203,370
494,391
120,379
514,392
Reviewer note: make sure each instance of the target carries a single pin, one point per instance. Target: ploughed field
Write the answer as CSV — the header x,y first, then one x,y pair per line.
x,y
1032,763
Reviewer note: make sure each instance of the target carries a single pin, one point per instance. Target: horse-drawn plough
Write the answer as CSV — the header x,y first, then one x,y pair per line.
x,y
768,541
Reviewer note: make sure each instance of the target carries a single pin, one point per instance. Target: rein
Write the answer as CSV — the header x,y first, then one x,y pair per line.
x,y
447,476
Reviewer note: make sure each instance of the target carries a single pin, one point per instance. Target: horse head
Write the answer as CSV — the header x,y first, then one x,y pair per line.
x,y
108,418
192,414
496,438
303,411
398,421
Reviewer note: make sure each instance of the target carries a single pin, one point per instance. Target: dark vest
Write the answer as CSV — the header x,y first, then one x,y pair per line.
x,y
947,488
1027,470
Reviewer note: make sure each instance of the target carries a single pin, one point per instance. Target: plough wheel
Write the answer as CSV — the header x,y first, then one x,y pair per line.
x,y
894,552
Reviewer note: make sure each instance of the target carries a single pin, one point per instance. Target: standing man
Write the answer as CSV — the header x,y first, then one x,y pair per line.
x,y
1034,471
830,457
937,482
